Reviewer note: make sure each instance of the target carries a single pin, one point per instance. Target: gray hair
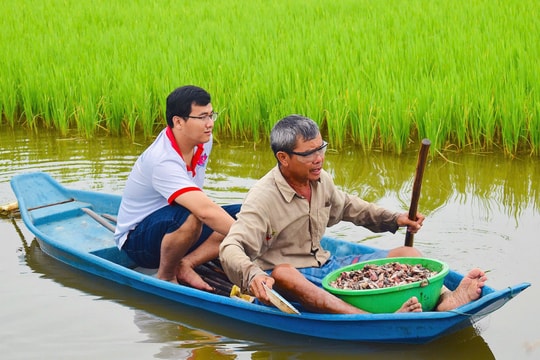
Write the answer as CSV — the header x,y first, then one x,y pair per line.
x,y
287,131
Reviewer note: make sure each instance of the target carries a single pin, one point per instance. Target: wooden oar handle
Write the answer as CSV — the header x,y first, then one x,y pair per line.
x,y
422,157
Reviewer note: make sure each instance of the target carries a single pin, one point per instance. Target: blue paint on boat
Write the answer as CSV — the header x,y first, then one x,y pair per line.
x,y
53,213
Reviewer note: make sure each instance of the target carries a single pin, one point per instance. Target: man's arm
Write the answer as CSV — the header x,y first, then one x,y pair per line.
x,y
207,211
244,242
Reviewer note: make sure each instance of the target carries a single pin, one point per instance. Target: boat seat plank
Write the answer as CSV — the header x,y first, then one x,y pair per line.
x,y
58,212
67,222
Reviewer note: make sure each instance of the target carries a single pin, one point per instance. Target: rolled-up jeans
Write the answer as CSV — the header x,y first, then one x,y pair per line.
x,y
143,244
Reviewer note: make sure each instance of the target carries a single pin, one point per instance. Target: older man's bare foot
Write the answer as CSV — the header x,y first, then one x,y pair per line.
x,y
187,275
469,289
411,305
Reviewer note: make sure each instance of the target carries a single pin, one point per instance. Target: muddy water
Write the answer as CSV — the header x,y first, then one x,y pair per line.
x,y
482,210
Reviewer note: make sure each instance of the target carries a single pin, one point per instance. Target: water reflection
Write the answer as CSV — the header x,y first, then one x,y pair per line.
x,y
490,183
100,162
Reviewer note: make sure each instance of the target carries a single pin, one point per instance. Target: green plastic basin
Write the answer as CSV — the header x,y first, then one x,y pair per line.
x,y
390,299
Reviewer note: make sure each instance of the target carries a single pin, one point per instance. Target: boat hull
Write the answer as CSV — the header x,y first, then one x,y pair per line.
x,y
65,232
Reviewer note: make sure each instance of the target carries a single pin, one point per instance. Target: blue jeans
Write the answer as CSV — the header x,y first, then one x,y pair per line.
x,y
143,244
317,274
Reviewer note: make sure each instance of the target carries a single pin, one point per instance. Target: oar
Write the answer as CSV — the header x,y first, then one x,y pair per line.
x,y
279,301
422,156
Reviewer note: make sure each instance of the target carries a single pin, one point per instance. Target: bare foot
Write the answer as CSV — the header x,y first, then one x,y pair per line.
x,y
170,277
469,289
187,275
411,305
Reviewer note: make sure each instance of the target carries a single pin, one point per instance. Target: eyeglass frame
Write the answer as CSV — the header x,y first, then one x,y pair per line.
x,y
305,154
212,116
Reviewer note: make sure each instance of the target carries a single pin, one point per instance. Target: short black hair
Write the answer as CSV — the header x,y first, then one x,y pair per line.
x,y
179,101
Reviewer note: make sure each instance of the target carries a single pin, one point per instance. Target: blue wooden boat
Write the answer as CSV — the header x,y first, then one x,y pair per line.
x,y
67,228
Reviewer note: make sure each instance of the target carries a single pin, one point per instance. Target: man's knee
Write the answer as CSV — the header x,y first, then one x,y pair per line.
x,y
405,251
283,271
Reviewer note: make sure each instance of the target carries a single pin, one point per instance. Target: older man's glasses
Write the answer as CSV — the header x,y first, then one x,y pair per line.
x,y
311,155
212,116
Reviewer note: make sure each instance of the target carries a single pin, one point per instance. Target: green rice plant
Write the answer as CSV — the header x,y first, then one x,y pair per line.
x,y
9,98
376,74
532,114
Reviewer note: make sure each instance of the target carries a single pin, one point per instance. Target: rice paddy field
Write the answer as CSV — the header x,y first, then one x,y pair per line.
x,y
380,75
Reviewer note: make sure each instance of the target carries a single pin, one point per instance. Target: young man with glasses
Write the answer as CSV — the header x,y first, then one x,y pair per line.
x,y
165,220
277,238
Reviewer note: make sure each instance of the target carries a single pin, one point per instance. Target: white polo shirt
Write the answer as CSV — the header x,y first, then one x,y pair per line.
x,y
158,177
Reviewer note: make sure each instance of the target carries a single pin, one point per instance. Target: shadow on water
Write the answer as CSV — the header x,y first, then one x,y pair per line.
x,y
182,329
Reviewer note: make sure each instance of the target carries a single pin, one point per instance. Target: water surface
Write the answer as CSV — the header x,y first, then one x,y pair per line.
x,y
482,210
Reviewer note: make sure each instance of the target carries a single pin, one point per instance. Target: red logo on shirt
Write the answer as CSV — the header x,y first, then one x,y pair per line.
x,y
270,236
202,160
